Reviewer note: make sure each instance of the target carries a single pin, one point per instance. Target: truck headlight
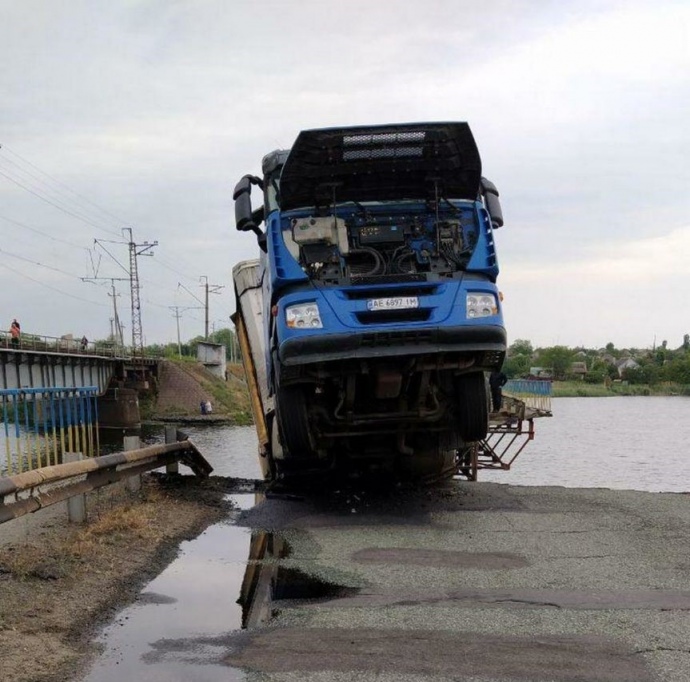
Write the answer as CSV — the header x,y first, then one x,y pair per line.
x,y
303,316
481,305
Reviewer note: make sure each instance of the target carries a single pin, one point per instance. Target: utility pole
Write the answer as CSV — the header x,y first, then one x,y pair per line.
x,y
116,330
136,250
177,315
209,289
117,335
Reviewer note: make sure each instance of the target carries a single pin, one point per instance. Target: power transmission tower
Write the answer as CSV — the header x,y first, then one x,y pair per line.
x,y
133,272
136,250
210,289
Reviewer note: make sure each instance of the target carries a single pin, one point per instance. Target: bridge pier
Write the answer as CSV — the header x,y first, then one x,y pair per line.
x,y
118,408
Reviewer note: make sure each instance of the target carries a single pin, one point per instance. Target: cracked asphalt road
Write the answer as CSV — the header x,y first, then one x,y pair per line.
x,y
480,582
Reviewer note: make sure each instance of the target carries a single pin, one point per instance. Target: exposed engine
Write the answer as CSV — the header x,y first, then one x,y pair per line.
x,y
370,246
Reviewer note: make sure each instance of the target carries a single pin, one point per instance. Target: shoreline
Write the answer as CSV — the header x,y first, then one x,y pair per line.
x,y
579,389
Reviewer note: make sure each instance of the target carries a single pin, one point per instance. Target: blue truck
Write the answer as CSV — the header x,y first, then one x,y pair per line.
x,y
371,319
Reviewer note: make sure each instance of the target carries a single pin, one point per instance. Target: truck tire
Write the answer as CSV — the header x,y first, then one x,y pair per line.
x,y
473,406
430,462
293,420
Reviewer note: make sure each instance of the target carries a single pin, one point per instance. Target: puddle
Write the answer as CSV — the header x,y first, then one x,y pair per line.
x,y
177,627
181,626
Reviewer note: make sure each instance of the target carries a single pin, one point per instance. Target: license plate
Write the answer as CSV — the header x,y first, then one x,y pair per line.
x,y
393,303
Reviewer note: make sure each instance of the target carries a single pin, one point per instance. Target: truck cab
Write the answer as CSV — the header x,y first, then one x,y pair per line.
x,y
380,313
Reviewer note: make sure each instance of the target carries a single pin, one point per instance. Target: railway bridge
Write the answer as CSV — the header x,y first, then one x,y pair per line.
x,y
38,365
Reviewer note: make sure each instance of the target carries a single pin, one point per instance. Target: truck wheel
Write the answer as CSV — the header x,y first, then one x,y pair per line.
x,y
473,406
291,411
431,460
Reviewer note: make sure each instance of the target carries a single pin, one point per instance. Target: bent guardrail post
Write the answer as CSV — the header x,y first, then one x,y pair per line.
x,y
76,505
32,490
171,437
134,482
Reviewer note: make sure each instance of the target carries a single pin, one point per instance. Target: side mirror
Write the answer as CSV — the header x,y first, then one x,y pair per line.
x,y
247,220
244,216
492,203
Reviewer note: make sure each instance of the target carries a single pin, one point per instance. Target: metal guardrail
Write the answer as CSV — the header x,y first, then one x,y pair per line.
x,y
32,490
42,423
534,394
62,345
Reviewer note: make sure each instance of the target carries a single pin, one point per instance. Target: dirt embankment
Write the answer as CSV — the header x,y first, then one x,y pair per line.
x,y
182,386
59,581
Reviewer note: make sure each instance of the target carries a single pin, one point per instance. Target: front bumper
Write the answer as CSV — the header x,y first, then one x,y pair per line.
x,y
490,340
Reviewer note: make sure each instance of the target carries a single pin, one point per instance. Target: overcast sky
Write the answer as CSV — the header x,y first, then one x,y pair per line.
x,y
144,114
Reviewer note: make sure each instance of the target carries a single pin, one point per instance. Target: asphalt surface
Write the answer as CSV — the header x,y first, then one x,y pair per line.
x,y
479,582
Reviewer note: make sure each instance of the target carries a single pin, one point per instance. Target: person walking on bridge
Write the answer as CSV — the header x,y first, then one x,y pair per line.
x,y
15,333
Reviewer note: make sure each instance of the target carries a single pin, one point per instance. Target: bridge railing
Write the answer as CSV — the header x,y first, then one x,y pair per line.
x,y
64,344
536,394
40,424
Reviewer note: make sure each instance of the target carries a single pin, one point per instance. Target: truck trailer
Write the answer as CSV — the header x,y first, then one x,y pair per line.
x,y
371,318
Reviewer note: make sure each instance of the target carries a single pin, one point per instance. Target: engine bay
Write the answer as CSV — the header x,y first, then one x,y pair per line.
x,y
381,245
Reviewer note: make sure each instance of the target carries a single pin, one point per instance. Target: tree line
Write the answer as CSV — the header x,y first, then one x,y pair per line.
x,y
602,365
224,336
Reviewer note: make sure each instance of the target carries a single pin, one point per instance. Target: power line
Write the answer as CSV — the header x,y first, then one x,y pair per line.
x,y
100,242
52,203
58,182
163,263
47,286
43,234
42,187
157,305
43,265
196,298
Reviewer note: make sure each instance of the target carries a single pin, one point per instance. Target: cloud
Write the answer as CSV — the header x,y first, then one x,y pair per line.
x,y
638,261
154,110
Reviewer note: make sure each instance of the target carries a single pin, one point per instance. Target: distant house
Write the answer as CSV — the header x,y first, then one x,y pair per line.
x,y
626,363
579,369
541,372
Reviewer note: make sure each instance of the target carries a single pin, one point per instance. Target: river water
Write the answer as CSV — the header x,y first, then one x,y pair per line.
x,y
637,443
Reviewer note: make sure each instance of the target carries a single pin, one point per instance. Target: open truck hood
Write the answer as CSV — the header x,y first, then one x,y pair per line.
x,y
381,163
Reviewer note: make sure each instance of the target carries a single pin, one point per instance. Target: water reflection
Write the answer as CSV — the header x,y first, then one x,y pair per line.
x,y
267,581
